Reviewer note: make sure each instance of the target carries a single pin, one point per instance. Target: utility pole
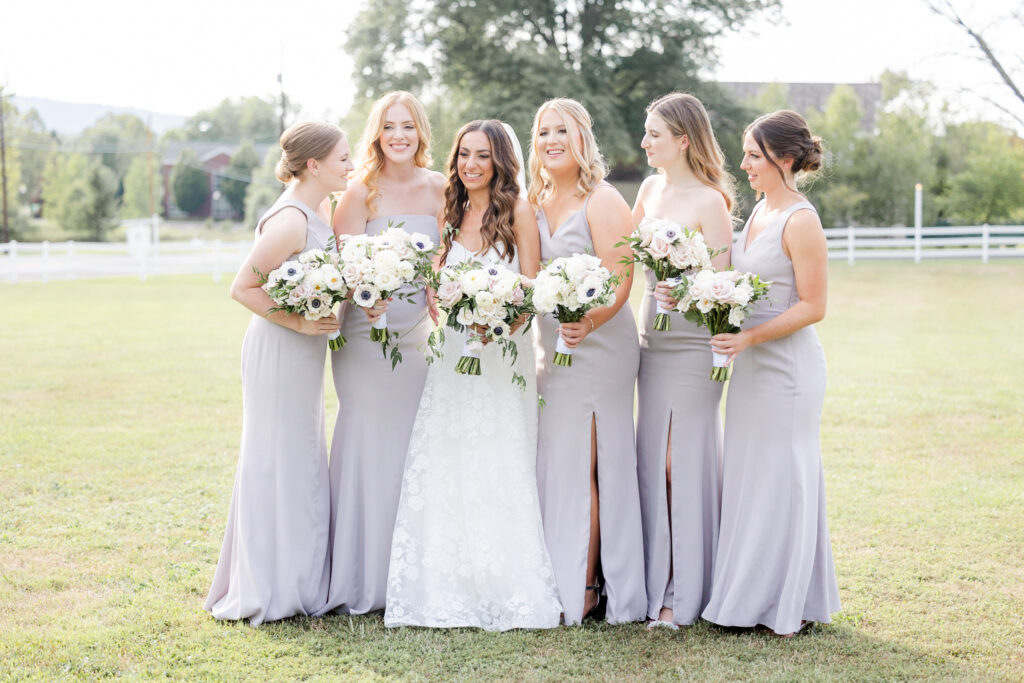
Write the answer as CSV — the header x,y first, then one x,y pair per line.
x,y
149,163
284,105
4,229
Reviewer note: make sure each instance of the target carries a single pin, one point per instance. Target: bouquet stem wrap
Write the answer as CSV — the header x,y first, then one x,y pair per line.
x,y
335,341
563,354
662,323
469,363
379,329
719,367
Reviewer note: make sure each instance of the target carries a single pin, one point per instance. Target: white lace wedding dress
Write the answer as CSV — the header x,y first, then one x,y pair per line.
x,y
468,547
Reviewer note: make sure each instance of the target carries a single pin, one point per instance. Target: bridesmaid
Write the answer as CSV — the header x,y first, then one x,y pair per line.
x,y
377,405
274,562
586,427
774,563
675,394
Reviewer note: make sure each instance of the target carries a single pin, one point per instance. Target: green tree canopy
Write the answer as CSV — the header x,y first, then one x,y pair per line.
x,y
115,139
81,196
189,182
139,182
255,118
504,58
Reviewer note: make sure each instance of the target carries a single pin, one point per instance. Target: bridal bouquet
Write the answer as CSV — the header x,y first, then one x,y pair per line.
x,y
670,252
720,301
568,287
486,301
375,267
310,286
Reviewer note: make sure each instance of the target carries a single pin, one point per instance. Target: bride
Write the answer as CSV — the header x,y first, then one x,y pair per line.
x,y
468,546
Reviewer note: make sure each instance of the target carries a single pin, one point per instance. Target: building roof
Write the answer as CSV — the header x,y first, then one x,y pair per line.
x,y
207,149
804,97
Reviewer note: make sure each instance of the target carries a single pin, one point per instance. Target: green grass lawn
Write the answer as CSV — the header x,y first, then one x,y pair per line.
x,y
120,414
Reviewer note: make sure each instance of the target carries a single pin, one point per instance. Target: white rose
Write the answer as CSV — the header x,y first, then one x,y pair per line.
x,y
679,256
448,293
464,316
355,248
352,273
406,271
722,289
473,281
310,256
486,304
386,281
645,231
658,248
575,267
736,316
742,294
504,284
386,262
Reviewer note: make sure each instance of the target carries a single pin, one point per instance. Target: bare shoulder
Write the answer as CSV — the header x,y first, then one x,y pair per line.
x,y
434,180
709,199
605,198
524,211
356,190
648,185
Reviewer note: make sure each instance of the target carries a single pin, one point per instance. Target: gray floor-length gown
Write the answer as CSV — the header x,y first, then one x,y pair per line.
x,y
774,562
674,391
274,562
376,410
599,386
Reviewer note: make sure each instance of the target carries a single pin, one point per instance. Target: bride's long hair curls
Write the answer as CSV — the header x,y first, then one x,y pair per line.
x,y
593,168
372,156
496,225
685,115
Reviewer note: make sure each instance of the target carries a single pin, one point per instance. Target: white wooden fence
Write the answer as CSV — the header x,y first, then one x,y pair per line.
x,y
983,242
68,260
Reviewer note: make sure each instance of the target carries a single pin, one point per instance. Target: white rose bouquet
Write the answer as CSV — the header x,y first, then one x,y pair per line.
x,y
486,300
568,287
375,267
720,301
310,285
670,252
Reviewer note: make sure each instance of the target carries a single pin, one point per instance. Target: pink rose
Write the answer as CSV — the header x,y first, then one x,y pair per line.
x,y
658,247
449,293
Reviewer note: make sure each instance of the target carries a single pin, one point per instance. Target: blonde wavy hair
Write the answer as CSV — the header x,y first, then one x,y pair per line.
x,y
371,160
685,115
592,166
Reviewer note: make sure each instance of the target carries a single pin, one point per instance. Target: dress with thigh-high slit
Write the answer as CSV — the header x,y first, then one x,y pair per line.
x,y
598,388
675,393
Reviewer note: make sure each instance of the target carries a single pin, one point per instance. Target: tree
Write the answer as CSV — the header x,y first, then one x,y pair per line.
x,y
81,196
139,182
840,195
989,186
1010,74
502,59
254,118
264,188
236,178
189,182
116,139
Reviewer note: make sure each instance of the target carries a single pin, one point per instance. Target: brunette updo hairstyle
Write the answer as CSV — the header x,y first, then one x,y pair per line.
x,y
302,142
784,134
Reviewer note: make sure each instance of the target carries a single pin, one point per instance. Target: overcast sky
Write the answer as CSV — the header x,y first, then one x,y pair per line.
x,y
182,56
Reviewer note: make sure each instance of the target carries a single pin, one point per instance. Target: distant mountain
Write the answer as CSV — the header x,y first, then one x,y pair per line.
x,y
74,117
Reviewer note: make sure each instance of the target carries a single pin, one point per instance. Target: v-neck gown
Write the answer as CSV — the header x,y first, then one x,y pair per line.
x,y
274,561
675,392
376,409
774,562
599,386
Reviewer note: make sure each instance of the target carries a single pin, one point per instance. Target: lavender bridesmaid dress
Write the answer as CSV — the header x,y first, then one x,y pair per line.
x,y
274,562
774,562
376,410
599,386
675,393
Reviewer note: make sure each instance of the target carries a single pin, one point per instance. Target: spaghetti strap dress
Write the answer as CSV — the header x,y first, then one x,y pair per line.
x,y
676,395
598,387
376,409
